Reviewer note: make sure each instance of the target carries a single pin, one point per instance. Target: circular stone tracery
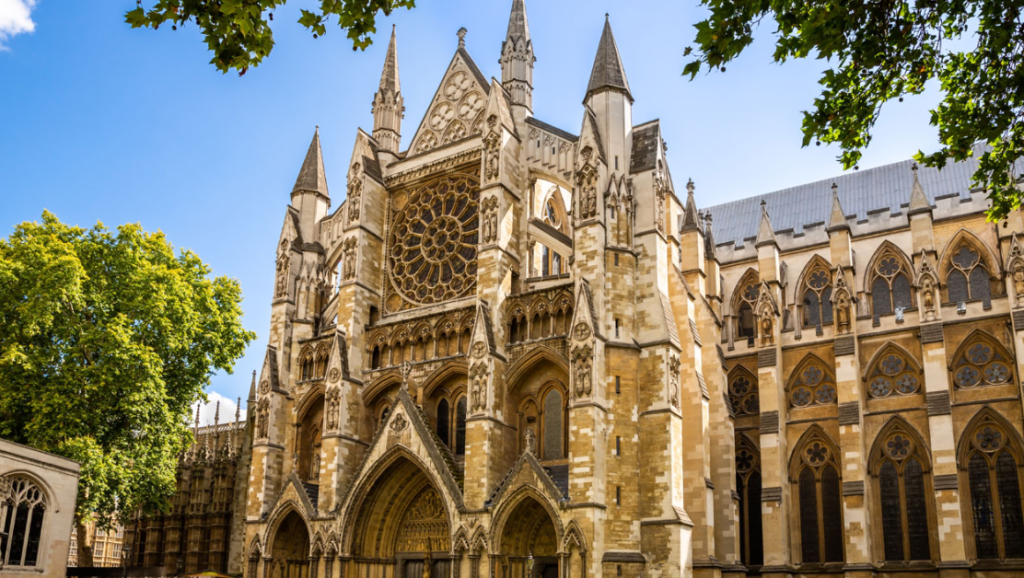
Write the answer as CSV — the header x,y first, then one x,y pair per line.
x,y
433,238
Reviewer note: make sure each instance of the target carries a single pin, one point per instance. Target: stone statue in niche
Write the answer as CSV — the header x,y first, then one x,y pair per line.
x,y
842,315
1018,283
490,220
282,276
355,190
767,338
348,269
314,466
928,298
492,148
531,440
583,386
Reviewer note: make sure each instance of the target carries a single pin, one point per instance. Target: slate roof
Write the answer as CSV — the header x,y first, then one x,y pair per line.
x,y
608,71
646,140
551,129
860,193
311,175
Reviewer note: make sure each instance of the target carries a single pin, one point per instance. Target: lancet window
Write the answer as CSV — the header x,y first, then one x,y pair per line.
x,y
743,304
743,393
900,467
812,384
817,296
451,424
306,364
994,461
893,373
543,423
818,497
890,285
23,524
981,361
320,368
967,275
748,486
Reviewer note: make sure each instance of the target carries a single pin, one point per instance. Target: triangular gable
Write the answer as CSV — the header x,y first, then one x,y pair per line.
x,y
293,491
457,109
585,312
290,231
590,136
499,106
482,330
527,471
338,359
268,374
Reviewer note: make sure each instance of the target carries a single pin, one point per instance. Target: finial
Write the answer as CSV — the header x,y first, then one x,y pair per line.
x,y
700,216
198,404
707,217
763,203
238,409
392,28
216,415
462,37
835,189
606,17
913,167
689,186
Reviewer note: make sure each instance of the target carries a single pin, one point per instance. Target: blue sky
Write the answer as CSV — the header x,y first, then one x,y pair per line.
x,y
99,122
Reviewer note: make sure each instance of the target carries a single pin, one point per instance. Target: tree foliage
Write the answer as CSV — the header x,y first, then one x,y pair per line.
x,y
881,50
106,339
238,32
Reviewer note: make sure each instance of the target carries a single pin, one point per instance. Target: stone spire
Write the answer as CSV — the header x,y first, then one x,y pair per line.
x,y
765,233
837,218
517,57
214,433
690,221
252,387
388,105
312,178
918,200
195,431
608,73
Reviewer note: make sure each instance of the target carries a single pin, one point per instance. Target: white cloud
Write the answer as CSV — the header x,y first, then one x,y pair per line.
x,y
15,18
227,407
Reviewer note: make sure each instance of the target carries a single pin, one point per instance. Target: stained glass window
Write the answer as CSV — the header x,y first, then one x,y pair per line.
x,y
817,304
1010,505
892,512
743,393
981,507
831,509
820,501
893,374
901,485
968,278
553,425
809,539
891,286
748,486
917,511
995,498
812,384
981,361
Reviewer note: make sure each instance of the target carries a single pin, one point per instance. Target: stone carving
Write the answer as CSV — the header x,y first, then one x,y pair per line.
x,y
928,297
333,405
478,377
843,314
281,288
492,151
661,186
586,182
399,423
1018,283
460,105
334,375
582,331
264,387
479,349
348,268
531,440
263,419
355,193
490,219
767,337
673,380
582,371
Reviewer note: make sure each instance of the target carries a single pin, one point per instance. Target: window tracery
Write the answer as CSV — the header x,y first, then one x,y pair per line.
x,y
993,462
890,284
432,242
748,486
893,373
306,364
817,295
23,526
743,393
900,467
968,278
743,303
981,361
816,475
812,384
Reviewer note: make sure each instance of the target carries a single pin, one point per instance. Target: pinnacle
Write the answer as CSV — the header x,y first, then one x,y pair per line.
x,y
518,25
765,233
608,71
311,176
837,218
389,79
690,220
918,200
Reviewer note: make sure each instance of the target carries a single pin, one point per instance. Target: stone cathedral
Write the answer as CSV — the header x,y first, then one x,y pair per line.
x,y
517,351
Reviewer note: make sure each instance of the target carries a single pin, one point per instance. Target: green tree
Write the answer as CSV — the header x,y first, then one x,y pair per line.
x,y
238,31
880,50
106,339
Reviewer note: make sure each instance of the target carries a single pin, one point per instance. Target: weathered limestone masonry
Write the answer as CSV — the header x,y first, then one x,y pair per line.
x,y
517,352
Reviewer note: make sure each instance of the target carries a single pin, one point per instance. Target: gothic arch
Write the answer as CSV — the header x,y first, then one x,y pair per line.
x,y
982,360
509,505
744,395
887,248
443,375
388,470
750,277
279,514
520,369
815,476
967,237
897,424
574,537
890,347
255,549
460,543
987,414
813,382
892,370
554,197
47,490
308,400
380,385
816,261
812,434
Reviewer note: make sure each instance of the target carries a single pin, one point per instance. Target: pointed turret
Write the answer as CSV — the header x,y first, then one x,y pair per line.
x,y
918,200
517,59
765,233
388,105
608,73
837,218
252,388
312,178
690,212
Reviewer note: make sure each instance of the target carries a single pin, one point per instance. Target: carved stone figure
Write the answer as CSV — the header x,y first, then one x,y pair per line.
x,y
478,377
531,440
1018,283
928,297
492,151
843,315
766,329
282,277
355,193
582,372
490,220
348,268
314,465
333,405
673,380
263,419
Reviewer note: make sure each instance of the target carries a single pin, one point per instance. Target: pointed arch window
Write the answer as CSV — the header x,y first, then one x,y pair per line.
x,y
743,393
892,374
23,524
744,306
321,362
812,384
968,278
818,501
553,424
994,487
817,297
981,361
748,486
890,286
901,468
460,426
442,421
306,366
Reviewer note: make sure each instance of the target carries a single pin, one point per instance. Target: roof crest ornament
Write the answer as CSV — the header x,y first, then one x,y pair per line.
x,y
462,36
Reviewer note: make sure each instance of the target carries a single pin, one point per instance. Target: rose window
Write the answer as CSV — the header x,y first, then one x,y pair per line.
x,y
432,243
989,438
898,447
743,395
812,386
893,374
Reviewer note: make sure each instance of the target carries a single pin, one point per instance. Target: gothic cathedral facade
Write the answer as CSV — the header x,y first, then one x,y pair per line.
x,y
513,351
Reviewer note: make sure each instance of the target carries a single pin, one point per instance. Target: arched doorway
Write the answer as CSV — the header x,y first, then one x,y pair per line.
x,y
529,538
290,550
402,526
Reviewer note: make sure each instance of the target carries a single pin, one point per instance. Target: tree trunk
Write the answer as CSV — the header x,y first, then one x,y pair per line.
x,y
84,538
